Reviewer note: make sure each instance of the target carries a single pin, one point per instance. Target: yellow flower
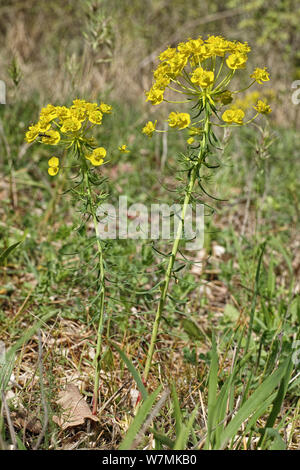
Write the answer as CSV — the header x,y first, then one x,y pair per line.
x,y
233,116
149,128
79,103
173,119
239,116
184,120
32,133
51,137
78,113
219,46
167,54
53,162
123,148
97,156
262,107
162,71
202,78
49,112
191,140
95,117
44,124
161,83
52,171
242,47
179,120
177,64
63,113
260,75
105,108
206,52
70,125
90,107
53,166
236,61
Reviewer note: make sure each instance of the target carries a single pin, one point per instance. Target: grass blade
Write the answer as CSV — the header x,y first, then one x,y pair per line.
x,y
177,411
251,405
133,372
4,254
212,390
182,439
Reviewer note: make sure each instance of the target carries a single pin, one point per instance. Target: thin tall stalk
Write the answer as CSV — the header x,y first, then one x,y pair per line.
x,y
101,280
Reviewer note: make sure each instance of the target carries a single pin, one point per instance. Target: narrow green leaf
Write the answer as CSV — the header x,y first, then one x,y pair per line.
x,y
182,439
271,281
8,363
277,403
177,411
251,405
212,390
278,443
133,371
162,438
4,254
256,290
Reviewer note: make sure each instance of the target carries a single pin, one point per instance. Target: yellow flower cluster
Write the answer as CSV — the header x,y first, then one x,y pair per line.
x,y
69,126
194,53
57,120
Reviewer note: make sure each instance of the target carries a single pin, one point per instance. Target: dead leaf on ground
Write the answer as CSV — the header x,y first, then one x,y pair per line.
x,y
25,421
75,410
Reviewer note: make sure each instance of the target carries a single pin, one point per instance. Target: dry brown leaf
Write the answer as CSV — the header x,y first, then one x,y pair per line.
x,y
75,410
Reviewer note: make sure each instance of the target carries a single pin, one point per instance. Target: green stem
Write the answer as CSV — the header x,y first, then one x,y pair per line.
x,y
164,291
97,361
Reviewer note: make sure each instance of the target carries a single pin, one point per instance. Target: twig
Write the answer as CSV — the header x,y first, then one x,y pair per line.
x,y
113,396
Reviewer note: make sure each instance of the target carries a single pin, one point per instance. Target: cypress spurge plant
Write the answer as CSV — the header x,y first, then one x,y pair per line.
x,y
69,129
201,72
